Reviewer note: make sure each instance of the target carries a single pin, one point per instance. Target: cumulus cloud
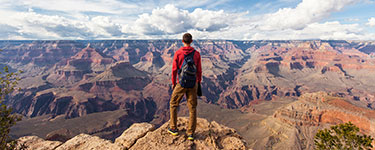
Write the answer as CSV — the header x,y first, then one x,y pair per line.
x,y
333,30
108,19
103,6
32,25
306,12
371,22
172,20
163,20
8,31
197,3
301,22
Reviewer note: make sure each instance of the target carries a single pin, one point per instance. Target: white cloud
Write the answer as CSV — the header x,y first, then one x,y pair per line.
x,y
326,31
172,20
190,3
103,6
306,12
32,25
371,22
163,20
108,19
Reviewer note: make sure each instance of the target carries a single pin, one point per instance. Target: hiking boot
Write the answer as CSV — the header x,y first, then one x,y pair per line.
x,y
173,131
190,137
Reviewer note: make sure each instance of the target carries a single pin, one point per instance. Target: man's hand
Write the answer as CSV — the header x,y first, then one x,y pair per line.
x,y
199,91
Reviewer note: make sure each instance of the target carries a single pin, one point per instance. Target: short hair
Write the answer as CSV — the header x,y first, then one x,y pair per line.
x,y
187,38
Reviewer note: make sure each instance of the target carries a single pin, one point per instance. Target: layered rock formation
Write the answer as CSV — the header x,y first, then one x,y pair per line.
x,y
314,109
233,69
80,66
117,88
297,123
289,69
36,57
209,135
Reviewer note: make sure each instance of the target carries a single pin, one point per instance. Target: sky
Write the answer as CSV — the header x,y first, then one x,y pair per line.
x,y
204,19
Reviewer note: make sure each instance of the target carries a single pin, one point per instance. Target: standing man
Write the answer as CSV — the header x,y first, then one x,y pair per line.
x,y
187,68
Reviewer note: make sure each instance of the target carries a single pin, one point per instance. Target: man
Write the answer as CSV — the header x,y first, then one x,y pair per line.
x,y
187,65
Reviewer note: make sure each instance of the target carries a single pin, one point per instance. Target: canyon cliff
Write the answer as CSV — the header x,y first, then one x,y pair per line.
x,y
129,81
210,135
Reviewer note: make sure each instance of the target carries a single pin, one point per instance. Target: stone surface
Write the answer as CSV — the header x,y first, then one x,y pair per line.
x,y
36,143
208,135
133,133
88,142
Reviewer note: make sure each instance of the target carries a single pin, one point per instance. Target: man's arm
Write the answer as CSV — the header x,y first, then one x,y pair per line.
x,y
174,69
199,69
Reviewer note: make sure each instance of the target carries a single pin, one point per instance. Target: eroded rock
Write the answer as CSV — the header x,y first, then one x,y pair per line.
x,y
133,133
208,135
88,142
36,143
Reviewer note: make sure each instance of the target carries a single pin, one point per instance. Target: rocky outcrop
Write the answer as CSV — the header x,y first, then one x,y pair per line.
x,y
135,132
209,135
85,141
316,109
36,143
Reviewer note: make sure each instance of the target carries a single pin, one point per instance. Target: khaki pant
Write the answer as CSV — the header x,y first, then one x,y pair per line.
x,y
191,96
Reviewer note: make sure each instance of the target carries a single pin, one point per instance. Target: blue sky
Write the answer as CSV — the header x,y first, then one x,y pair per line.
x,y
205,19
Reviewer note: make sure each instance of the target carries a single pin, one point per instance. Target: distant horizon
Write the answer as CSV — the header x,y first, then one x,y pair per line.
x,y
180,40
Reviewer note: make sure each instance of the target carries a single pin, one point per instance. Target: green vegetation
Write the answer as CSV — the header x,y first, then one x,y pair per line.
x,y
8,82
342,137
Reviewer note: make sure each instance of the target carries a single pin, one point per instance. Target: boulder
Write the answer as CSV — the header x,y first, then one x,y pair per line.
x,y
133,133
85,142
36,143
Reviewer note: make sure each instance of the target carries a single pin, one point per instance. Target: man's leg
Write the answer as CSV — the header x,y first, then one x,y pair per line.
x,y
191,96
176,97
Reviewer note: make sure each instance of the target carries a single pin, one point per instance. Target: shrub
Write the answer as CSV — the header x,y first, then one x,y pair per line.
x,y
342,137
8,82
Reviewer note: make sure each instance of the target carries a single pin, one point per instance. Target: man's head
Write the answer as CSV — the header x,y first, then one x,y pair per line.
x,y
187,38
